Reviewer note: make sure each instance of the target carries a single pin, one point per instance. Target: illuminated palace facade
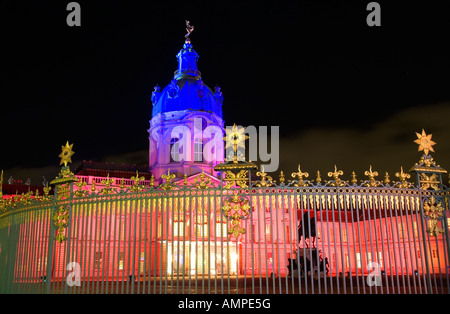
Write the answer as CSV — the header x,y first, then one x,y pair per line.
x,y
193,213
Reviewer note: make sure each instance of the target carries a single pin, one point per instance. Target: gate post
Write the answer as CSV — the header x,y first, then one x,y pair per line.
x,y
61,213
432,202
237,206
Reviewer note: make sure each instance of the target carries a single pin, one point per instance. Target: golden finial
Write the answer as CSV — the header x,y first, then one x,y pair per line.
x,y
185,181
282,179
136,186
122,184
235,138
66,154
93,186
353,179
335,175
387,180
189,30
152,181
80,192
371,174
46,196
169,177
318,179
300,176
403,176
202,182
107,183
425,142
263,175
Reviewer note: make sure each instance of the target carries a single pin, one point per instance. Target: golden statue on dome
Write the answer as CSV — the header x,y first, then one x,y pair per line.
x,y
189,30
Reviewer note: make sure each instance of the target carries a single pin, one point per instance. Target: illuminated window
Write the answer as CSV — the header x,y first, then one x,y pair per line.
x,y
344,235
358,260
141,263
400,230
221,230
42,266
268,231
178,229
380,259
198,149
122,230
98,231
331,235
121,261
174,150
202,230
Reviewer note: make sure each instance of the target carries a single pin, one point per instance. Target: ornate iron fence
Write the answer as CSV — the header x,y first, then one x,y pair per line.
x,y
239,234
292,237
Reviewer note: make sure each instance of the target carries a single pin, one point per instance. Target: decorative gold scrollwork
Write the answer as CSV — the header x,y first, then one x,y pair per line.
x,y
403,176
371,174
235,209
60,219
137,187
240,179
431,181
203,182
169,185
335,175
433,210
79,192
299,175
107,189
264,177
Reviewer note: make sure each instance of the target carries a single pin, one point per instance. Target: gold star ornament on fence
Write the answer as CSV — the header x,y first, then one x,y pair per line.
x,y
66,154
425,142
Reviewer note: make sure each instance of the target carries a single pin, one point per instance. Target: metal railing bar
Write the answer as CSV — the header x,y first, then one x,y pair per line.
x,y
341,239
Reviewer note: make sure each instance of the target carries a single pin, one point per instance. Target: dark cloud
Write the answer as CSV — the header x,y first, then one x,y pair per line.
x,y
386,145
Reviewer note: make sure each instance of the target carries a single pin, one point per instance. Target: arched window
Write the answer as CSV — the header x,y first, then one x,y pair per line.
x,y
174,150
198,149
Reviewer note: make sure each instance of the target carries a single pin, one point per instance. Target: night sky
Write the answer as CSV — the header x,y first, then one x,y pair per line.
x,y
341,92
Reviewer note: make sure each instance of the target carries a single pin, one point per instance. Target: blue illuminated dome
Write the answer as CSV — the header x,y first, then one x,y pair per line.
x,y
187,91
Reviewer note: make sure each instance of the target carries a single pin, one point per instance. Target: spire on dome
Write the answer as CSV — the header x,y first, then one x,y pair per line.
x,y
187,58
187,91
189,30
